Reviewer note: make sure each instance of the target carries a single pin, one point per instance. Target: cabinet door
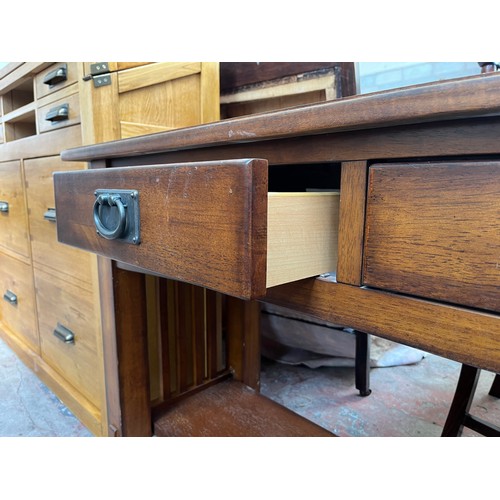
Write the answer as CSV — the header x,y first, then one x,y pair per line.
x,y
433,230
13,221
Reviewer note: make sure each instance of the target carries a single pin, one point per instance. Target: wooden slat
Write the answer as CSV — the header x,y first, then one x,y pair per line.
x,y
351,222
151,74
231,409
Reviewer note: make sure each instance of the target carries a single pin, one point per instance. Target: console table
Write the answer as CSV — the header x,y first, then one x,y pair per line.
x,y
379,212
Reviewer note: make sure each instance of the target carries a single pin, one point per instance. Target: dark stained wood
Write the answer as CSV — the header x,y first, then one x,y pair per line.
x,y
231,409
132,353
432,231
211,230
351,222
474,96
243,340
240,74
461,334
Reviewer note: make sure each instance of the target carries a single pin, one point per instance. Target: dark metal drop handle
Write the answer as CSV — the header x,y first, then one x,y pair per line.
x,y
4,206
58,114
64,334
112,201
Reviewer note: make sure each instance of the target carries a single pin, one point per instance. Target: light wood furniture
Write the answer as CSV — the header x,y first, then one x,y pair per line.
x,y
51,315
419,184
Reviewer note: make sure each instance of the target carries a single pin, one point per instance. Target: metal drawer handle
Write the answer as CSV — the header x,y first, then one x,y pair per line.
x,y
58,114
10,297
112,200
64,334
50,215
57,76
4,206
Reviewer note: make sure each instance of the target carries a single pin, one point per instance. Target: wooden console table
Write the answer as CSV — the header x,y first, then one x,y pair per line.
x,y
413,247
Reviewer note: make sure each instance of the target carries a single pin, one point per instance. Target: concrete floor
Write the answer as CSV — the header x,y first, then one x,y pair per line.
x,y
406,401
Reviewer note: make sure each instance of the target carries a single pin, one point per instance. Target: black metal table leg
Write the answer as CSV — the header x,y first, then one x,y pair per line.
x,y
362,363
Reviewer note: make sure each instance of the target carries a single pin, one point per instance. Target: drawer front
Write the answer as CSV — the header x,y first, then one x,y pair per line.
x,y
56,77
45,248
201,223
433,230
68,333
17,307
13,217
58,114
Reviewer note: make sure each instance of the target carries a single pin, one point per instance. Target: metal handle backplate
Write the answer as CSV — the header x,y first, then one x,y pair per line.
x,y
50,215
56,76
58,114
116,215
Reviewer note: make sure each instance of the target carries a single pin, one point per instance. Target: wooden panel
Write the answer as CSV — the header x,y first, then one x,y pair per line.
x,y
72,307
351,222
213,221
302,231
18,318
230,409
432,231
13,223
46,251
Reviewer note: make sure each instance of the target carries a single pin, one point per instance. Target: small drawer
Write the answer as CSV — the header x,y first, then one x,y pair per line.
x,y
45,248
59,114
17,307
13,217
432,230
212,224
68,333
56,77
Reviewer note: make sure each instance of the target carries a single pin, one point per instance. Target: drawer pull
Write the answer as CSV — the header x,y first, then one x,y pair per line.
x,y
50,215
64,334
116,215
10,297
58,114
57,76
4,206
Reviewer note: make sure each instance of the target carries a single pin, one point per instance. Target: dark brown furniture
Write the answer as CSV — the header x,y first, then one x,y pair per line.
x,y
417,236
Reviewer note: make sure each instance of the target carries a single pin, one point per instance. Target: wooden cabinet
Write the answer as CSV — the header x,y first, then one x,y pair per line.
x,y
51,311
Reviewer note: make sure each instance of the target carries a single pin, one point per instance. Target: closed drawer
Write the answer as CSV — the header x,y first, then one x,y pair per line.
x,y
13,217
433,230
17,306
45,248
212,224
68,333
59,114
56,77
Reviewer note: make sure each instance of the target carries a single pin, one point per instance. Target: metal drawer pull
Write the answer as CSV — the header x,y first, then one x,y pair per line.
x,y
4,206
112,200
57,76
64,334
50,215
116,215
10,297
58,114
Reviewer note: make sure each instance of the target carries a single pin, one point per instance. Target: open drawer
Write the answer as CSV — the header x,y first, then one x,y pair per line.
x,y
212,224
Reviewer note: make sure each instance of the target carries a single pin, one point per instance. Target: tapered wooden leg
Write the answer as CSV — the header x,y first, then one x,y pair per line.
x,y
362,363
460,406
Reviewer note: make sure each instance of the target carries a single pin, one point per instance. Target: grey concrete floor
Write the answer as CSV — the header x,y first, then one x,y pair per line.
x,y
406,401
27,407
